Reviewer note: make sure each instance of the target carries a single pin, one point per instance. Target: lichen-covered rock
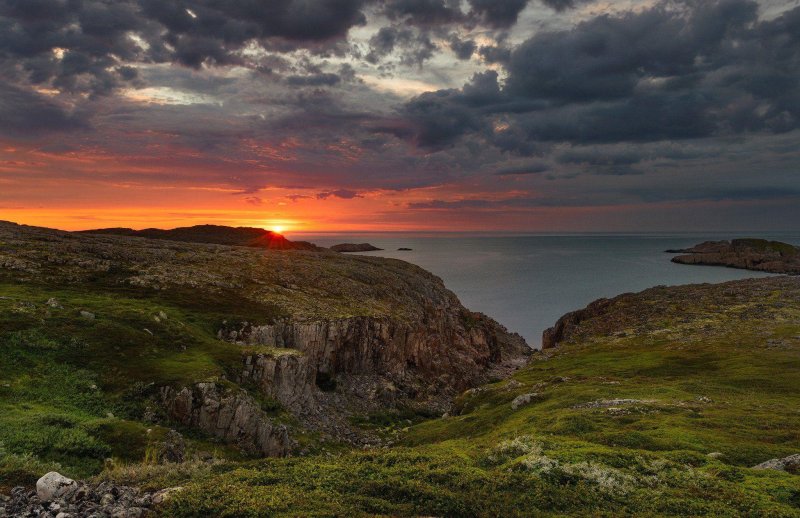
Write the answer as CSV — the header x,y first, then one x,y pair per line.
x,y
54,485
289,378
172,449
524,399
81,500
232,415
790,464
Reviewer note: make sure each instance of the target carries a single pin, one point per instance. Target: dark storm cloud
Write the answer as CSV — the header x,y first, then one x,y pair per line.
x,y
345,194
463,49
321,79
96,36
424,12
523,169
498,13
414,45
27,114
430,13
675,71
563,5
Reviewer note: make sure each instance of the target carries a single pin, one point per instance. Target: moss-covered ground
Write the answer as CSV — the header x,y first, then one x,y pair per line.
x,y
660,405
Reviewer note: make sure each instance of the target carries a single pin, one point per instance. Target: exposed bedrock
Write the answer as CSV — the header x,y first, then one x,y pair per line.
x,y
569,322
288,378
230,414
459,350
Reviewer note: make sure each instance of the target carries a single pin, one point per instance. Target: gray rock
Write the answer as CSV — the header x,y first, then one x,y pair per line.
x,y
172,449
54,485
87,314
53,303
163,496
524,399
790,464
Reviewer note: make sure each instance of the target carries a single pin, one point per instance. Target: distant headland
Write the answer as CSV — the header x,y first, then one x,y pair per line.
x,y
749,254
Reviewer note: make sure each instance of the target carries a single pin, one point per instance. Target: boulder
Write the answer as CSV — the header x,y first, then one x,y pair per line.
x,y
54,485
524,399
790,464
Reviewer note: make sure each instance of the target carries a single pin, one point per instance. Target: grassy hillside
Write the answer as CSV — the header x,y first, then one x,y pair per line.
x,y
660,406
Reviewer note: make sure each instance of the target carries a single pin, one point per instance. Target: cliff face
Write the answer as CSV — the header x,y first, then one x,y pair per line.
x,y
444,344
359,365
231,415
567,324
748,254
330,336
288,378
670,311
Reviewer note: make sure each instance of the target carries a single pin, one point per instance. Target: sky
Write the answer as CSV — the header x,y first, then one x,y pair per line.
x,y
401,115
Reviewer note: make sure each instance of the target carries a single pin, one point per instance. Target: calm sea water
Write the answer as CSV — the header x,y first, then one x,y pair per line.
x,y
527,282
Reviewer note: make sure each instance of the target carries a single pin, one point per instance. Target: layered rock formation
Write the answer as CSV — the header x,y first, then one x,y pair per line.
x,y
748,254
287,377
230,414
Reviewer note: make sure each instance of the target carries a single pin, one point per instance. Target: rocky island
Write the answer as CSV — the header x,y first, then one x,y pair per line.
x,y
749,254
355,247
151,377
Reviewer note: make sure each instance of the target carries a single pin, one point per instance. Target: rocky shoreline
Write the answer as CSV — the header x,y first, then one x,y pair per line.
x,y
748,254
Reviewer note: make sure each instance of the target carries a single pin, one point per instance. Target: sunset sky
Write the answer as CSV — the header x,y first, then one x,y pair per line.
x,y
347,115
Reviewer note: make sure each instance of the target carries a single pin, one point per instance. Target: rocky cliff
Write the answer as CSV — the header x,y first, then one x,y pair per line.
x,y
230,414
324,334
748,254
567,324
667,311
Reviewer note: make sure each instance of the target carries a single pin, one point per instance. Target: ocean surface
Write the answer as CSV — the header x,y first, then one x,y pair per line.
x,y
527,282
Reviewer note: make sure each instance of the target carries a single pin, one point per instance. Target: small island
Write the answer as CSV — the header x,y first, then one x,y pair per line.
x,y
749,254
353,247
402,249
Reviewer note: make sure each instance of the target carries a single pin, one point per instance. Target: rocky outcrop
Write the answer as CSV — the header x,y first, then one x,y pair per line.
x,y
54,485
83,499
748,254
790,464
366,331
230,414
287,377
355,247
566,324
459,350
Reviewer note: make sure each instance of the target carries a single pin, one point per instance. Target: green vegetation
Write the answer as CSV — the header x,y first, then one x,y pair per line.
x,y
660,406
74,388
764,245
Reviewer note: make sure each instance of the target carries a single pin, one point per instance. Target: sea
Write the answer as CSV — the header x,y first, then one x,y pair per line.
x,y
527,281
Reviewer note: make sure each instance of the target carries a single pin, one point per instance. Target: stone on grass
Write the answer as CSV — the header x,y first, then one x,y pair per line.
x,y
524,399
790,464
54,485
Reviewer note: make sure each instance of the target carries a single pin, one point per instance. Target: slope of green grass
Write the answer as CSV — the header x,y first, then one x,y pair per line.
x,y
74,387
654,410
